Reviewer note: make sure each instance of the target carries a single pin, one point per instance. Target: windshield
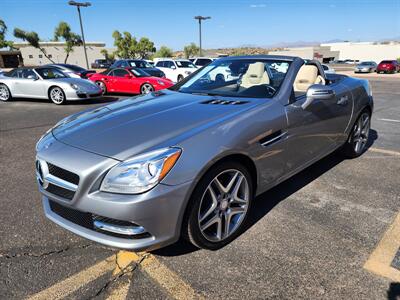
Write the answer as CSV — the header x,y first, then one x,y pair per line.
x,y
139,73
185,64
252,78
140,64
51,73
366,63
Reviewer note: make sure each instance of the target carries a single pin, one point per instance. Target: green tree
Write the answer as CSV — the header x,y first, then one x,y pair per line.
x,y
164,52
63,32
191,50
32,38
144,47
398,59
3,31
108,56
126,44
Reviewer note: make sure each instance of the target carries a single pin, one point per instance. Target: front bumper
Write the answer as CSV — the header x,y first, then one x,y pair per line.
x,y
81,95
159,211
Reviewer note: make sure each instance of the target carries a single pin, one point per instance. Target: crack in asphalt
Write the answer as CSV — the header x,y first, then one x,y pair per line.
x,y
43,254
126,271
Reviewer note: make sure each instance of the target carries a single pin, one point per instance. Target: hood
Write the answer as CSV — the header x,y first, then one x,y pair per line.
x,y
78,81
134,125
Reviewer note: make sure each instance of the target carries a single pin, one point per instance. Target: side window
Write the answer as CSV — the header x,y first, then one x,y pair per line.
x,y
28,73
202,61
120,73
13,73
160,64
169,64
111,73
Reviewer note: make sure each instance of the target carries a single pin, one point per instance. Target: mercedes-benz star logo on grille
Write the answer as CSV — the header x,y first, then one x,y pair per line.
x,y
42,171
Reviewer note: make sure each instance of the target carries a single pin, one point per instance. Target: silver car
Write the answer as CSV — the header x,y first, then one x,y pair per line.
x,y
366,67
45,83
140,173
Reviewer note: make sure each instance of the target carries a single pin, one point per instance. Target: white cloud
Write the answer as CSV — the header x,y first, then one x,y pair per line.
x,y
258,5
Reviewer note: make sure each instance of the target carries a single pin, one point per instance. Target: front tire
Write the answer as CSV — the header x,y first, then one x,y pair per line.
x,y
180,78
356,143
57,95
219,206
146,89
5,94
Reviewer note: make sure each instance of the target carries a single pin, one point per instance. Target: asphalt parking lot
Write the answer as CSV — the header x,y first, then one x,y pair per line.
x,y
330,232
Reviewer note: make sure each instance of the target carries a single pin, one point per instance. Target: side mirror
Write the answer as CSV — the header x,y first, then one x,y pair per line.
x,y
318,92
173,67
128,76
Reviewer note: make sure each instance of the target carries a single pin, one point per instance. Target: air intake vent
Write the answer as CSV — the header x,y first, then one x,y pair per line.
x,y
225,102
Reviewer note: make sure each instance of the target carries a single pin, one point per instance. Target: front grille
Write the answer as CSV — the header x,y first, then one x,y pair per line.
x,y
86,219
75,216
63,174
61,192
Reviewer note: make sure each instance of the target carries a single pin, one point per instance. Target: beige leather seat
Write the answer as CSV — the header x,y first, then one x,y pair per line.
x,y
255,75
307,76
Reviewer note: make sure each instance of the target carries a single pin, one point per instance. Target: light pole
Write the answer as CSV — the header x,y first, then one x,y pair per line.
x,y
78,6
200,18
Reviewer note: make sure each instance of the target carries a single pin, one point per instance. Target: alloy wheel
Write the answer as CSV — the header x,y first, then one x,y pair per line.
x,y
223,205
102,86
4,93
361,133
146,88
57,95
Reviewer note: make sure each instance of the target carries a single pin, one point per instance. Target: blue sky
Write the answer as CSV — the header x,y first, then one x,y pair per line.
x,y
234,22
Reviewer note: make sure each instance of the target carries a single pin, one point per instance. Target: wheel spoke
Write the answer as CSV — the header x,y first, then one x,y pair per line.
x,y
226,189
213,204
212,221
235,194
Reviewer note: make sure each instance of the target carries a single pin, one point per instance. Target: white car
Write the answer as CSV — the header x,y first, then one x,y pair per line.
x,y
328,69
176,69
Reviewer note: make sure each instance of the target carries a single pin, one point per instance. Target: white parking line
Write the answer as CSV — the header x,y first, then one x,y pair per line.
x,y
384,151
66,287
390,120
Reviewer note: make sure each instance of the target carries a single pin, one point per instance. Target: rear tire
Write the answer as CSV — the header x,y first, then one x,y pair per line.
x,y
146,88
180,78
357,141
103,87
5,94
210,208
57,95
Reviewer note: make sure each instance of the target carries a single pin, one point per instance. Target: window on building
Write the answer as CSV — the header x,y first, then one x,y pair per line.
x,y
40,56
50,56
30,56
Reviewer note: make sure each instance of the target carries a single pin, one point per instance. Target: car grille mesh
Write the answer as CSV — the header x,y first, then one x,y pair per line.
x,y
63,174
61,192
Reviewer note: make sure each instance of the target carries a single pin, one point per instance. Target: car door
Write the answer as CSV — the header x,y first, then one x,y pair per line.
x,y
318,129
120,83
30,85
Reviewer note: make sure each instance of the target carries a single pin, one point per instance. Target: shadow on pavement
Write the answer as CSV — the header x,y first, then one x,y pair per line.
x,y
265,202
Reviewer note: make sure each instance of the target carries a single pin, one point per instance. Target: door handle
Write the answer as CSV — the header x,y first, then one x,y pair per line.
x,y
344,100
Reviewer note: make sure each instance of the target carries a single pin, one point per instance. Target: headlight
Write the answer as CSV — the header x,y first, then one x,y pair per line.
x,y
141,173
160,82
74,86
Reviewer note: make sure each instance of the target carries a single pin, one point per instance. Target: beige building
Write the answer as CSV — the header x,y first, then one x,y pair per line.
x,y
362,51
55,50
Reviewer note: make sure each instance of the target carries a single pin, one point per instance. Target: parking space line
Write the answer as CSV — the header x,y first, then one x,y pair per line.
x,y
157,271
73,283
390,120
384,151
380,261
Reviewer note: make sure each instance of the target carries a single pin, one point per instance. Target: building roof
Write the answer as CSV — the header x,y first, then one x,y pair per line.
x,y
59,44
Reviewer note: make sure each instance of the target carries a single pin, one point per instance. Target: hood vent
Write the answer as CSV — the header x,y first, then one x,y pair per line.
x,y
224,102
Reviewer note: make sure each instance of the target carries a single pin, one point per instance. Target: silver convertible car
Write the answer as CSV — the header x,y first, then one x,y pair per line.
x,y
189,161
45,83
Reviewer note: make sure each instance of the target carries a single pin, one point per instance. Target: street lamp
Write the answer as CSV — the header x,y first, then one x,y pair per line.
x,y
201,18
78,6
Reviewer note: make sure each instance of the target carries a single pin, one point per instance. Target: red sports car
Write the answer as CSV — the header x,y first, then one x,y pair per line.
x,y
388,66
129,80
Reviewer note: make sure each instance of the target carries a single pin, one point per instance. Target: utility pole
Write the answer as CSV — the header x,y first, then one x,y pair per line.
x,y
78,6
200,18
